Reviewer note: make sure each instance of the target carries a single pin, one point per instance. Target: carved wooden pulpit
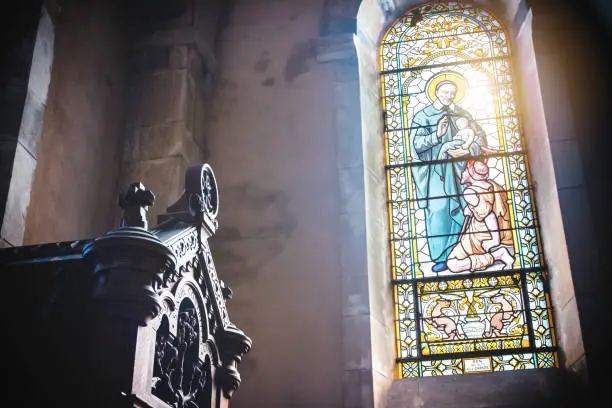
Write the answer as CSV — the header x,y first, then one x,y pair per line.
x,y
134,318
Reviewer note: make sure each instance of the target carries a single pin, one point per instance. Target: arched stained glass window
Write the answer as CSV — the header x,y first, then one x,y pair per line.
x,y
469,277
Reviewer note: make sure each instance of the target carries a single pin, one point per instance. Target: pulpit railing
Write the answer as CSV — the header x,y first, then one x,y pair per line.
x,y
136,317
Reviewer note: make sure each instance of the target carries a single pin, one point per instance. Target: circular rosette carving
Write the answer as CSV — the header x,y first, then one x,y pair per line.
x,y
202,191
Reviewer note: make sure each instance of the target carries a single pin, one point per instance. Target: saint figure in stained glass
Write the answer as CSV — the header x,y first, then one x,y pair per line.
x,y
437,132
471,287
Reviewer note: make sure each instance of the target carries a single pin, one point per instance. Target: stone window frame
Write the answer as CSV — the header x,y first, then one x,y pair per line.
x,y
369,363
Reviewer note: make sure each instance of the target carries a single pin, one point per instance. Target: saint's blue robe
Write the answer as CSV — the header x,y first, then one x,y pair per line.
x,y
438,185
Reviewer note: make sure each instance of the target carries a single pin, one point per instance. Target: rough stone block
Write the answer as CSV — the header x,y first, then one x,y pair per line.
x,y
383,341
152,58
171,15
353,255
335,48
525,388
158,98
523,43
355,296
370,20
179,94
375,207
555,247
581,247
404,393
42,58
381,384
196,66
18,199
192,152
357,389
32,123
356,342
543,174
348,127
159,141
350,182
347,72
556,99
201,120
381,293
190,104
580,370
149,99
373,155
379,275
561,282
535,132
568,166
569,332
179,56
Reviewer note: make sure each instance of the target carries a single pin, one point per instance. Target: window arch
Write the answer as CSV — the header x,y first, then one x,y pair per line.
x,y
470,282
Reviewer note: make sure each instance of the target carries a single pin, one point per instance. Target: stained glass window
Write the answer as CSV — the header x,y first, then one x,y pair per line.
x,y
470,282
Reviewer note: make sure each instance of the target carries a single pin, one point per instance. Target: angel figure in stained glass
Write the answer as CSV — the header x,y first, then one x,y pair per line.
x,y
486,235
437,186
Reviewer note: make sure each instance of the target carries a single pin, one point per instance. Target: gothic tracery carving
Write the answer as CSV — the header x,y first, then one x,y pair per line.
x,y
195,337
179,374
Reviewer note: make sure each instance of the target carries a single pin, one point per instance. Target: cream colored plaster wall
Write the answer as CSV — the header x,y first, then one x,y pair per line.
x,y
272,146
74,186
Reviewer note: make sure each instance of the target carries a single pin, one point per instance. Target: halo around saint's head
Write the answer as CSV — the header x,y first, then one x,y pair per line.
x,y
451,76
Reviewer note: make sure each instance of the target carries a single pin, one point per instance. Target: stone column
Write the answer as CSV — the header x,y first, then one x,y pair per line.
x,y
367,334
171,72
22,99
573,117
559,185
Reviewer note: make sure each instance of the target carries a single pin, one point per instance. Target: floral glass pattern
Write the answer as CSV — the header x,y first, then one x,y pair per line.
x,y
470,281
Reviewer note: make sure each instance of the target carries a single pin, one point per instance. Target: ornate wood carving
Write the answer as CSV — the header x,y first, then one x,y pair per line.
x,y
185,245
147,308
135,201
129,262
180,378
215,284
198,206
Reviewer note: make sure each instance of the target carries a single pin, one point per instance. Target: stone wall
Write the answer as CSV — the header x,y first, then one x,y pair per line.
x,y
303,234
549,175
576,88
171,69
273,145
74,187
27,45
261,231
524,389
558,184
